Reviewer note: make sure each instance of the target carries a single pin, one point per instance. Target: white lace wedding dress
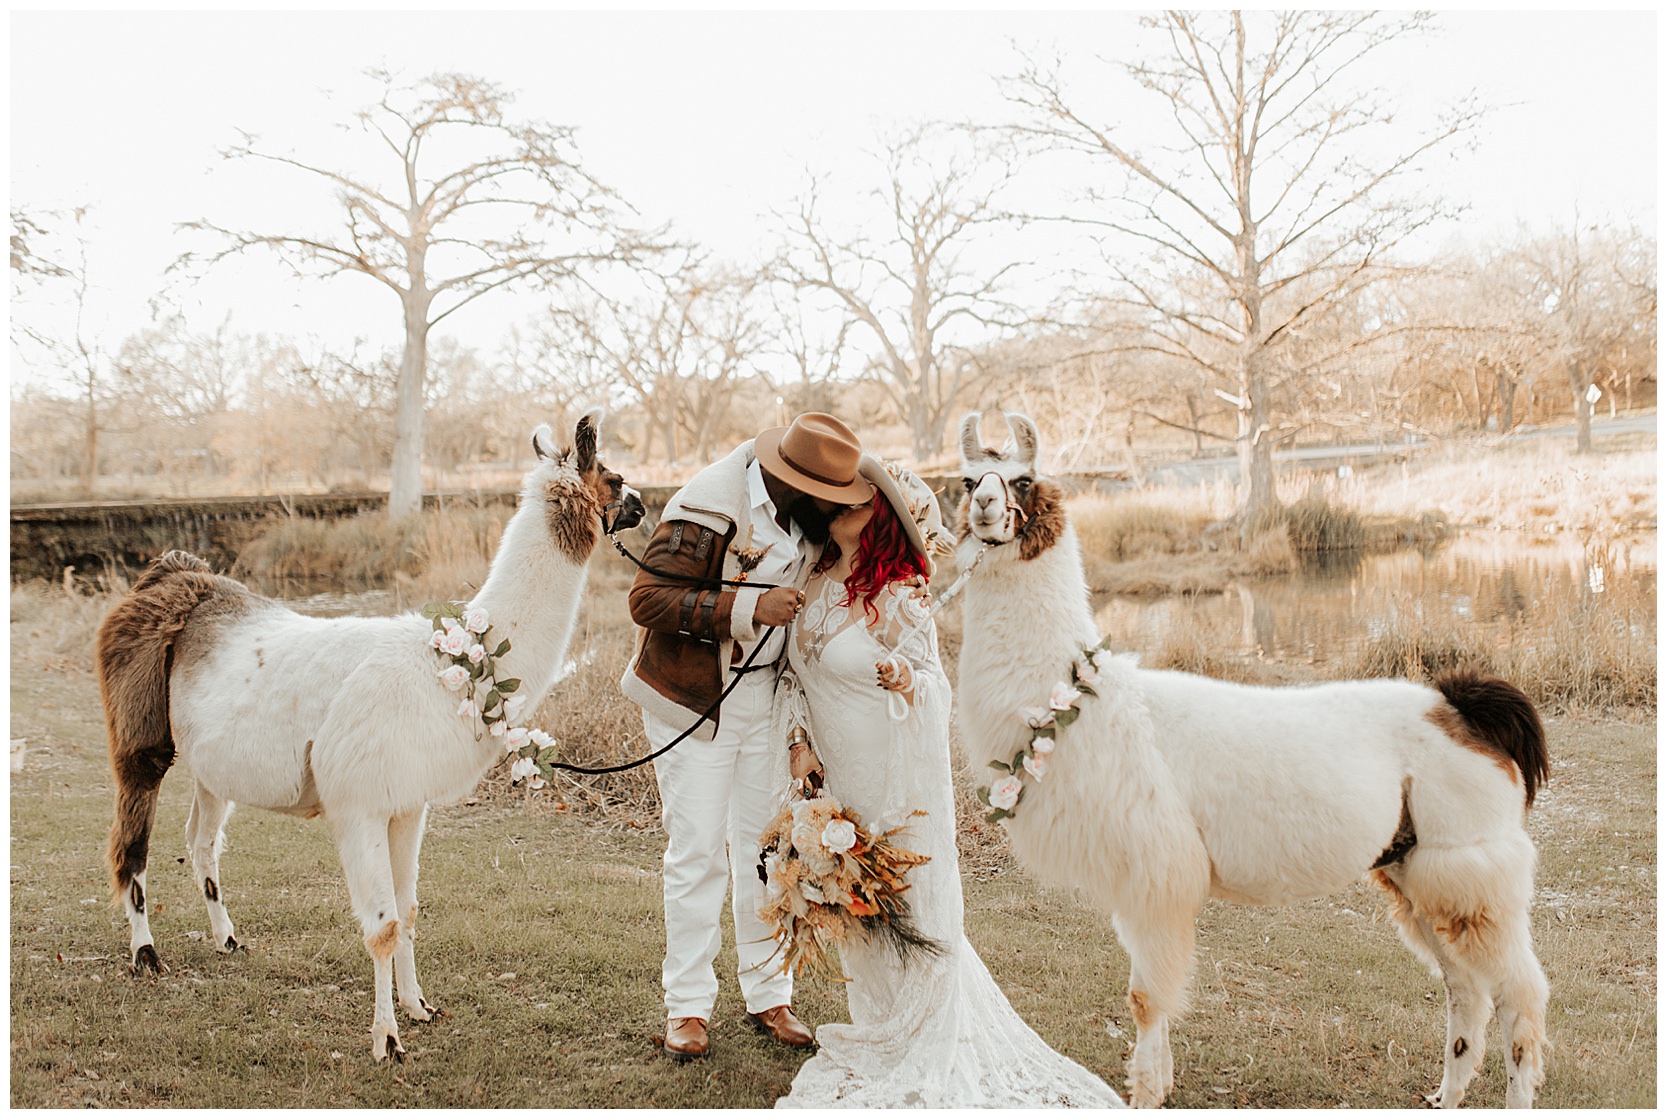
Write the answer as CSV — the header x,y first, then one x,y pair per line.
x,y
930,1032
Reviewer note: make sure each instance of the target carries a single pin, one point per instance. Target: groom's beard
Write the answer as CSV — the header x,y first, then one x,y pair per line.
x,y
811,520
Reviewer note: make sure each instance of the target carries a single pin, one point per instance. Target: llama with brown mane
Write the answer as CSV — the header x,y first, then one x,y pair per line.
x,y
336,717
1161,789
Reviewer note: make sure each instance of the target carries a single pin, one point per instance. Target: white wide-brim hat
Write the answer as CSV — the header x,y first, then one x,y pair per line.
x,y
916,506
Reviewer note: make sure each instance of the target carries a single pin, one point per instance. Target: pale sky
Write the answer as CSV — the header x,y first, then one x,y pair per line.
x,y
707,120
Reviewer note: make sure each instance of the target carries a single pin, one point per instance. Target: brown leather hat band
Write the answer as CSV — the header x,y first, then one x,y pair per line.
x,y
841,483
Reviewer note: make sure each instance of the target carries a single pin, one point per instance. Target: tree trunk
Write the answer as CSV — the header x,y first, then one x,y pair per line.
x,y
1255,442
1578,384
89,454
1507,396
405,484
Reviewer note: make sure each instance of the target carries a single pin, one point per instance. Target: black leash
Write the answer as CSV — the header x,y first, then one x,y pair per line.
x,y
746,665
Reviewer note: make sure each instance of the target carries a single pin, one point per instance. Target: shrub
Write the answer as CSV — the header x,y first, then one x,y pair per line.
x,y
1125,528
1416,650
1318,525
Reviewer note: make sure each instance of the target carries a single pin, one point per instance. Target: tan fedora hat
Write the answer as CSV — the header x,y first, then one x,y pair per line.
x,y
916,506
816,454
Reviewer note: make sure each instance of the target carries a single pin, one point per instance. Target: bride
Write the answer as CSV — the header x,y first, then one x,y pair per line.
x,y
935,1031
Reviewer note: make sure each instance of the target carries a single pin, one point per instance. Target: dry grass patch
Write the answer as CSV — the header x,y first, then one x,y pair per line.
x,y
1570,654
542,935
1536,485
434,554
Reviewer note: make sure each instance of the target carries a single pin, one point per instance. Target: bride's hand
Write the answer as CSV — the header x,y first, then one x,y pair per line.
x,y
802,762
894,676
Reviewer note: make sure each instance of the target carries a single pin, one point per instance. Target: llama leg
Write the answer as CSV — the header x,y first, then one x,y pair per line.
x,y
1468,1008
405,840
363,846
138,776
141,947
1523,994
203,839
1160,958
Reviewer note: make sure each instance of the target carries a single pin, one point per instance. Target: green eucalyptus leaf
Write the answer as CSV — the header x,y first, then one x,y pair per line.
x,y
503,647
508,686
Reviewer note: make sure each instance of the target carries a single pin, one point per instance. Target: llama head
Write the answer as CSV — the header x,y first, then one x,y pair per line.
x,y
580,493
1006,500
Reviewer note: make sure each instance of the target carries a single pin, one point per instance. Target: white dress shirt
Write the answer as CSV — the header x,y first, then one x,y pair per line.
x,y
781,562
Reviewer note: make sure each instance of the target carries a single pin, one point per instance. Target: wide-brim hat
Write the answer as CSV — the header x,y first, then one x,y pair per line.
x,y
816,454
915,505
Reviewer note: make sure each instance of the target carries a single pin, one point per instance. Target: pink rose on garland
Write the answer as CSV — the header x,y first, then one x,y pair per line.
x,y
1004,793
1064,697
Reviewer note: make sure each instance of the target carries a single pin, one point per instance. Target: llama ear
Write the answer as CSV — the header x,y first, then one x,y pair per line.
x,y
543,446
585,437
1025,438
969,438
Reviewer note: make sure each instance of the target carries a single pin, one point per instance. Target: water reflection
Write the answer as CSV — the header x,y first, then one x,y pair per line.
x,y
1330,610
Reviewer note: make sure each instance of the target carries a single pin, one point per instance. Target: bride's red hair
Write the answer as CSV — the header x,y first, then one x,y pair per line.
x,y
884,556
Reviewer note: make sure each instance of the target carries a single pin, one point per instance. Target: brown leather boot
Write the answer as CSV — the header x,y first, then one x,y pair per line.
x,y
686,1039
781,1025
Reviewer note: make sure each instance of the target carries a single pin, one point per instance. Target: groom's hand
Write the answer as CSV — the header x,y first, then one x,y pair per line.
x,y
777,606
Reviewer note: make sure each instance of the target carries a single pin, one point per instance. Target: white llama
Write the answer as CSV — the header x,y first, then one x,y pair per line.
x,y
337,717
1170,788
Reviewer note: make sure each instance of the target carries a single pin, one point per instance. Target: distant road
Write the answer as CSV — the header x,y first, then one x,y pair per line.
x,y
1617,426
1188,472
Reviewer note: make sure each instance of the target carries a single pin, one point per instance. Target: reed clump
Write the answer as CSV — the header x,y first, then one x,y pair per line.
x,y
1588,651
1122,529
439,549
1416,649
1316,524
54,625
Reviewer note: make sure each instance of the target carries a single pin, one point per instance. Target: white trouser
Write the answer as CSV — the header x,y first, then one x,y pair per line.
x,y
717,795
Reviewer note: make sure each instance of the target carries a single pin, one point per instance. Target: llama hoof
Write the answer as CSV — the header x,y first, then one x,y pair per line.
x,y
386,1044
424,1011
231,945
146,960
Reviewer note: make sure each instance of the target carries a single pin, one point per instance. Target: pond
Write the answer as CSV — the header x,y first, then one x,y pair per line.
x,y
1327,612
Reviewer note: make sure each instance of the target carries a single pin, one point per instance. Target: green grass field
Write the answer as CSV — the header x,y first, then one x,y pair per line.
x,y
541,936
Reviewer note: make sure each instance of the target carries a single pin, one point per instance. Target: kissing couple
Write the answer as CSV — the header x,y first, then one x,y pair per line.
x,y
785,575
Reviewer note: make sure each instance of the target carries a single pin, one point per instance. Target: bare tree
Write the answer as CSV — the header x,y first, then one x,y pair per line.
x,y
1265,207
911,286
72,347
27,234
476,203
1595,300
681,348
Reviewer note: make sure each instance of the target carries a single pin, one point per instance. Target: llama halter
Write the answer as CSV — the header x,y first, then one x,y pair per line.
x,y
1002,796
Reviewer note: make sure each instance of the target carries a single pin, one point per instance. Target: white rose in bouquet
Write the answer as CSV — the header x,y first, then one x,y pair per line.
x,y
839,835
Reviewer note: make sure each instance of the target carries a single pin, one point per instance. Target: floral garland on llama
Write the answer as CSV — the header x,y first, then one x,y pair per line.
x,y
1002,796
460,638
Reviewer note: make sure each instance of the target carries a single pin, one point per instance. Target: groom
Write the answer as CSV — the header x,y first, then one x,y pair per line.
x,y
759,515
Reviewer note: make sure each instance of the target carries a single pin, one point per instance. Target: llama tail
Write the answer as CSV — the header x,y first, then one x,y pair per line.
x,y
135,655
1500,715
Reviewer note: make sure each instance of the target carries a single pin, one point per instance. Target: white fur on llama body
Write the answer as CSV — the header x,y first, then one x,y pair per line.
x,y
340,717
1170,787
362,692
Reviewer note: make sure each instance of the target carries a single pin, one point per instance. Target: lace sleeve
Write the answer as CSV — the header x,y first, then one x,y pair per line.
x,y
919,715
906,630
